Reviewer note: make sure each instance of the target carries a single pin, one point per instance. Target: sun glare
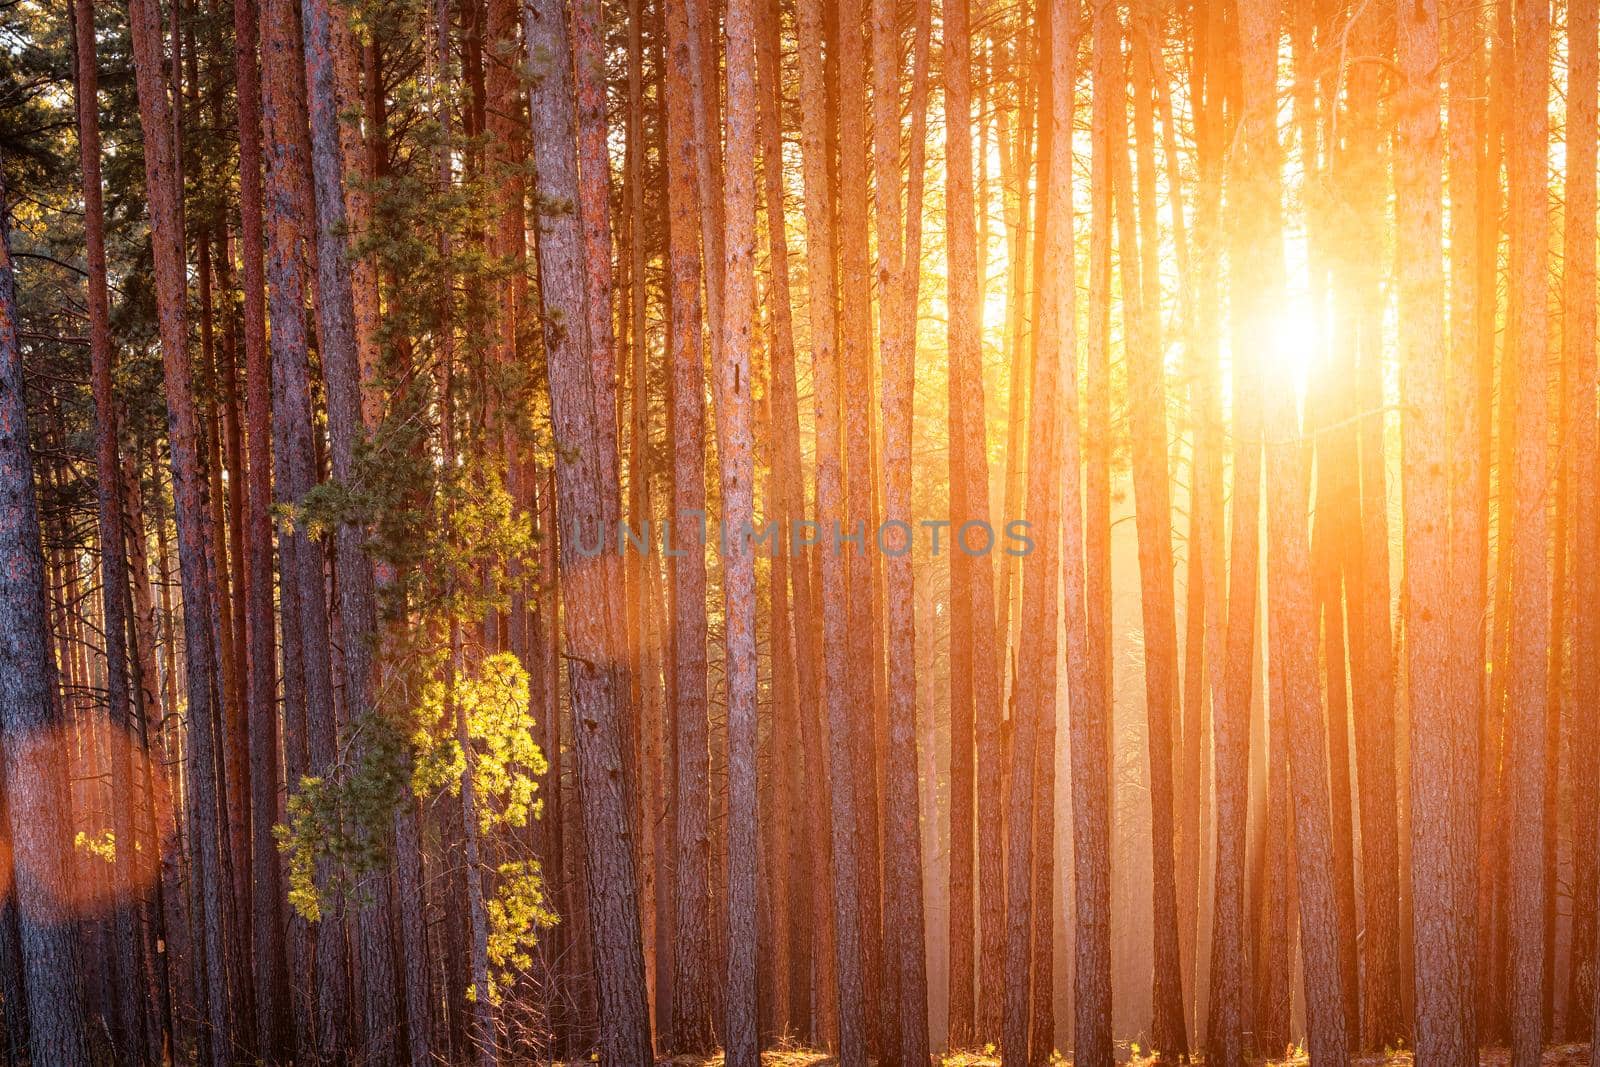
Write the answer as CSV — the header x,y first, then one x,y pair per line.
x,y
1294,338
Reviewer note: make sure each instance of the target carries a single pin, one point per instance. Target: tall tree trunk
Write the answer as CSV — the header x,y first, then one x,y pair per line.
x,y
1091,726
1231,721
31,730
821,246
113,563
1036,691
613,904
594,211
1491,975
344,332
1371,641
1470,406
195,535
1445,1033
1331,449
805,900
975,661
905,1036
989,641
267,941
1207,533
1578,352
1147,414
860,515
1288,566
308,683
642,604
691,964
1530,579
736,457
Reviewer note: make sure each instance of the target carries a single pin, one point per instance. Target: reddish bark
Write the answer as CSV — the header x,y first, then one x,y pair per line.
x,y
195,532
905,1024
613,905
1440,810
974,670
822,241
30,716
271,975
321,1016
789,489
1578,344
1526,746
113,564
691,974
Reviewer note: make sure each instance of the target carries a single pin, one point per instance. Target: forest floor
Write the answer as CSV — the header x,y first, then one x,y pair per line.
x,y
1554,1056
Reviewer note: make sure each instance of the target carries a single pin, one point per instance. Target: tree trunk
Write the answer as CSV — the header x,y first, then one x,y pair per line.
x,y
1578,345
1036,691
613,904
308,682
1231,720
1331,450
195,534
860,514
642,603
848,907
344,334
691,967
1288,565
271,974
1470,404
736,456
113,564
1371,641
804,900
31,730
1444,1031
974,663
1530,579
594,211
1147,414
1091,718
905,1036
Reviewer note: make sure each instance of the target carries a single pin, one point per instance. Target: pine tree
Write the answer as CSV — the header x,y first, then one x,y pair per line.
x,y
691,974
31,732
736,456
612,901
904,1036
1530,582
1147,415
975,671
827,335
194,524
113,564
1444,1031
1371,637
1091,727
266,921
1578,351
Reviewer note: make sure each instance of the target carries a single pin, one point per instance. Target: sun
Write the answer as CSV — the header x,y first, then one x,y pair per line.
x,y
1296,333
